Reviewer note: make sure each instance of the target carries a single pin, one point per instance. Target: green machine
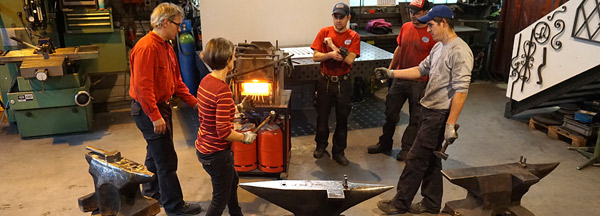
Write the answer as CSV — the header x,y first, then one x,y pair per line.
x,y
43,87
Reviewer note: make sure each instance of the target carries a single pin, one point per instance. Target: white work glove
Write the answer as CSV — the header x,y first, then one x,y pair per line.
x,y
450,133
249,137
382,73
246,105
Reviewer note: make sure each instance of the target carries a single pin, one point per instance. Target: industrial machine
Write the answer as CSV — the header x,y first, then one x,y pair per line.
x,y
48,95
43,86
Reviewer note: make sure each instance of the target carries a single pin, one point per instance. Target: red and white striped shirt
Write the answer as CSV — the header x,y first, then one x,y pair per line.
x,y
216,111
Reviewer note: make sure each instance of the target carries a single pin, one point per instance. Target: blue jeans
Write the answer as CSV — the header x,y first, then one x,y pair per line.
x,y
224,178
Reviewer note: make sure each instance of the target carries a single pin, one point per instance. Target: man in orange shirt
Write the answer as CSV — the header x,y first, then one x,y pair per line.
x,y
335,47
155,78
414,44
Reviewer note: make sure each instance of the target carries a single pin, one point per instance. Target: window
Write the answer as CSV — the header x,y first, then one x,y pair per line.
x,y
374,2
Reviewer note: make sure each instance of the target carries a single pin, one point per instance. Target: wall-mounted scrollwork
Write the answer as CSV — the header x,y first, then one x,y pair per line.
x,y
562,10
529,48
542,65
559,24
541,32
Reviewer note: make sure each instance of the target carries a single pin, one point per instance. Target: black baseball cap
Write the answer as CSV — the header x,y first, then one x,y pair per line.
x,y
341,9
419,5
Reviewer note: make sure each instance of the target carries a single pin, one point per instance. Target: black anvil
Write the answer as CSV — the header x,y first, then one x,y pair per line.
x,y
495,190
117,186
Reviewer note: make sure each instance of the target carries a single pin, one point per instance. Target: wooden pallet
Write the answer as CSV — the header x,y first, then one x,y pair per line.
x,y
534,125
577,140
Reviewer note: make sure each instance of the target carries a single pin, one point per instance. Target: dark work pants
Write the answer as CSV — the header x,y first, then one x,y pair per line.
x,y
331,94
398,93
423,168
161,158
224,178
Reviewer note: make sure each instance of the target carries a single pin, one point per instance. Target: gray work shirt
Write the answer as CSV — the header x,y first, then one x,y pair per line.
x,y
449,68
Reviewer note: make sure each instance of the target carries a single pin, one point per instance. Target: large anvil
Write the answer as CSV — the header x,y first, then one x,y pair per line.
x,y
314,197
117,186
495,190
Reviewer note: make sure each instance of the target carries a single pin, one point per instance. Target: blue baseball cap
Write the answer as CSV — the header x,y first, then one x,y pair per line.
x,y
341,9
437,11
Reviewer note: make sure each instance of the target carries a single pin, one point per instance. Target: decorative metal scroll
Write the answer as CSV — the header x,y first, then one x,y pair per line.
x,y
562,10
542,65
522,68
541,32
589,27
559,24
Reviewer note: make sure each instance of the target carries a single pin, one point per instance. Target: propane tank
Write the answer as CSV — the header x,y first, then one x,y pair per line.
x,y
270,149
244,155
187,57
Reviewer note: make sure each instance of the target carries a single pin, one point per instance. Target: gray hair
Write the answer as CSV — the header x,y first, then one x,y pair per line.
x,y
164,11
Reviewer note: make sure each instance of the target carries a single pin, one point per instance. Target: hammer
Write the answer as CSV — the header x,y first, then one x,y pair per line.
x,y
271,116
442,153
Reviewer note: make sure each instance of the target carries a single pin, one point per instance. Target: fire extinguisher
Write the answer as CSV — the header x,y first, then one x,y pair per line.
x,y
187,55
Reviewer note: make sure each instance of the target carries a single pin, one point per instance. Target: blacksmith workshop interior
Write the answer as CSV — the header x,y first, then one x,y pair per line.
x,y
300,107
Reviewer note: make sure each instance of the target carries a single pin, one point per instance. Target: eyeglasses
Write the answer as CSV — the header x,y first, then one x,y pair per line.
x,y
177,24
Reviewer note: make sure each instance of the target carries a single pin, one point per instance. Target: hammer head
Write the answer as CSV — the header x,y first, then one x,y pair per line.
x,y
441,155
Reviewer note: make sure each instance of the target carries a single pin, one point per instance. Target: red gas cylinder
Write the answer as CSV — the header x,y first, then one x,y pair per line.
x,y
244,155
270,149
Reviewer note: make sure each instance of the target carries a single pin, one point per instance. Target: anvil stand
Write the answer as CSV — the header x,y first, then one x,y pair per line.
x,y
594,158
495,190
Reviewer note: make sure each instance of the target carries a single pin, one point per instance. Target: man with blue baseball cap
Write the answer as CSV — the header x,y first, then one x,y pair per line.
x,y
448,66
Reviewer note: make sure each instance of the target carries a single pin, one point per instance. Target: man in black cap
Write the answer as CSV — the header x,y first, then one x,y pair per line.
x,y
335,47
448,66
414,44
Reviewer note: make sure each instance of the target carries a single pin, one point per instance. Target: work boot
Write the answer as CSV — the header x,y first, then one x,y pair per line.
x,y
341,159
387,207
419,208
377,148
319,152
186,209
402,155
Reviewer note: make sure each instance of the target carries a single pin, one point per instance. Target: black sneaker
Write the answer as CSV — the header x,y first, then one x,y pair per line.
x,y
377,148
186,209
341,159
319,152
402,155
419,208
387,207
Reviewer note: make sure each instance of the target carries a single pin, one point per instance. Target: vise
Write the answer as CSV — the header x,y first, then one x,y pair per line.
x,y
495,190
314,197
117,186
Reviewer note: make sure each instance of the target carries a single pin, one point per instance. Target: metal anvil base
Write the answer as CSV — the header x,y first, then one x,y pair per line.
x,y
117,183
495,190
314,198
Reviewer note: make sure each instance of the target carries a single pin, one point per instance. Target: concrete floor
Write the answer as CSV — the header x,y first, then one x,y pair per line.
x,y
45,176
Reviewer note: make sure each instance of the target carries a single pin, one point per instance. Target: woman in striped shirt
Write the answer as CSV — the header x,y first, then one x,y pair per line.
x,y
216,111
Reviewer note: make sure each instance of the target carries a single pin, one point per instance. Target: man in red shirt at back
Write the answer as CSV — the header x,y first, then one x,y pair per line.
x,y
335,47
155,78
414,44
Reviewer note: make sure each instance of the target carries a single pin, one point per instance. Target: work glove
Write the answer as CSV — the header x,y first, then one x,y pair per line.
x,y
249,137
246,105
450,133
344,52
382,73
